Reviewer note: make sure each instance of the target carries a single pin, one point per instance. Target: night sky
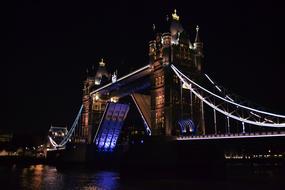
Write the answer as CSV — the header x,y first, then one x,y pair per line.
x,y
51,44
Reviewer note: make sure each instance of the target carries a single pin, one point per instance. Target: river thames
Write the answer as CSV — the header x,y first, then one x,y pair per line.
x,y
49,177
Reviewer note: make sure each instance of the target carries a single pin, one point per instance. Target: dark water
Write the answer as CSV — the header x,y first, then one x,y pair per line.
x,y
48,177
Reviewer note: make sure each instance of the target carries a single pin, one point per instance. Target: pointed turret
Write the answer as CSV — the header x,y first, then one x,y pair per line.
x,y
190,44
154,30
102,75
198,43
197,38
198,47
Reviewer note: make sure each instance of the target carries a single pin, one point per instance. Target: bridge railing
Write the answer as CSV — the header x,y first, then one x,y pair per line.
x,y
234,135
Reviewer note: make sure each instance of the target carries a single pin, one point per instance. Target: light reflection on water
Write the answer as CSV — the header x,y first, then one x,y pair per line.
x,y
48,177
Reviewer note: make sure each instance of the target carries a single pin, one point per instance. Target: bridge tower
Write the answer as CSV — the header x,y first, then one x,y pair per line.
x,y
93,107
86,112
169,100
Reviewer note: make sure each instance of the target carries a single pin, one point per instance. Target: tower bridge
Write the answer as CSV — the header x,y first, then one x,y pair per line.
x,y
172,96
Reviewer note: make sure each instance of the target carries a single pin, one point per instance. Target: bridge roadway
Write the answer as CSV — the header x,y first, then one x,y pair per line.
x,y
231,136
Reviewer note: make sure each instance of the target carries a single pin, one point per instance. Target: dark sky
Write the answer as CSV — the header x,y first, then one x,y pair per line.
x,y
51,43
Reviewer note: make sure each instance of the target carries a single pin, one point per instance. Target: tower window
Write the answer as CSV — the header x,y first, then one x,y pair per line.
x,y
159,80
159,100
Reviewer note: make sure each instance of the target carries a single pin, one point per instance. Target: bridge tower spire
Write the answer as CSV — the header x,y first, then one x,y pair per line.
x,y
198,47
169,101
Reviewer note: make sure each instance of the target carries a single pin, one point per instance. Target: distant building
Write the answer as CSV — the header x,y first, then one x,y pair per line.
x,y
57,133
6,137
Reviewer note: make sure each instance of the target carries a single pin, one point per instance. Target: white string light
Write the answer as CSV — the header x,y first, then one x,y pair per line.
x,y
178,73
242,106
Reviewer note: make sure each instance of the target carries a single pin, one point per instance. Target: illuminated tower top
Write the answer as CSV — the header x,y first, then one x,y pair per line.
x,y
101,74
197,38
198,44
175,27
102,64
175,16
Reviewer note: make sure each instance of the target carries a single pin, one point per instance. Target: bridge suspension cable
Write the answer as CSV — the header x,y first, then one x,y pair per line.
x,y
253,116
217,87
231,96
68,136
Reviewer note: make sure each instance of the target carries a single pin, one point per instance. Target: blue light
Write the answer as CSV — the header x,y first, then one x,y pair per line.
x,y
111,126
186,126
141,141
